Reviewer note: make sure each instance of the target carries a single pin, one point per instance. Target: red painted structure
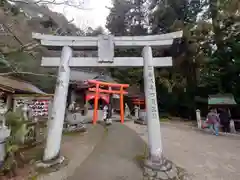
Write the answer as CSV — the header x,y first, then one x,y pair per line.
x,y
98,90
138,102
91,95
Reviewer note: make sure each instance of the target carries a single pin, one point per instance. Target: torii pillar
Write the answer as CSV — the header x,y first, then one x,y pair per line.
x,y
106,45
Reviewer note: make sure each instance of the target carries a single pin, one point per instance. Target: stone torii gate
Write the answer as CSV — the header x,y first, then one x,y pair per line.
x,y
106,45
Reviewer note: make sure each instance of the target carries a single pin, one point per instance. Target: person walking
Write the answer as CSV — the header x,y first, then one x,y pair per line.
x,y
213,121
225,120
105,112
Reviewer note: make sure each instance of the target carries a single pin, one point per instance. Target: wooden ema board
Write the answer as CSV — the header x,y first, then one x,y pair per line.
x,y
138,101
38,105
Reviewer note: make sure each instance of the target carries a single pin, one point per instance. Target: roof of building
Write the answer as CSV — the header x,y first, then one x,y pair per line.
x,y
10,84
135,91
80,77
221,99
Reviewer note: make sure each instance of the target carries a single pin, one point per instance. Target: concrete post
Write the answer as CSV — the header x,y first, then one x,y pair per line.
x,y
56,121
153,123
198,117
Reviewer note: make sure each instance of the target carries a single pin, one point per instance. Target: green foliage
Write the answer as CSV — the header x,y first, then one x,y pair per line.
x,y
209,51
116,20
15,10
16,122
2,2
21,54
208,55
95,32
20,62
164,119
12,156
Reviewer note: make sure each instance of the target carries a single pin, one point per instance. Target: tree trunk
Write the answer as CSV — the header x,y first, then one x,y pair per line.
x,y
214,7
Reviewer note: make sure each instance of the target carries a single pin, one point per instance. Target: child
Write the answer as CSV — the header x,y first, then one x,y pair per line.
x,y
213,121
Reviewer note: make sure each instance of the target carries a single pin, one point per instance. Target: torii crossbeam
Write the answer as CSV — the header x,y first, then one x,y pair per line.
x,y
106,45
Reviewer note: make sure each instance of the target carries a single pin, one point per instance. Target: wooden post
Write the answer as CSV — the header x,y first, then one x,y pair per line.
x,y
109,112
121,105
95,114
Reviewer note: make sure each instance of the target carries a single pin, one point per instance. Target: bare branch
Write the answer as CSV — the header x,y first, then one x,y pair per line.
x,y
9,65
29,46
23,47
71,3
26,73
15,71
59,28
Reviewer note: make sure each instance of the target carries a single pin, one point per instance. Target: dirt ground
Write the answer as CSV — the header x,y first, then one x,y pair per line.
x,y
205,156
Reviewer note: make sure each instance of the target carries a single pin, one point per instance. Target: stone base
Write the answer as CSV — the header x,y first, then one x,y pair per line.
x,y
51,163
138,121
108,122
165,170
76,128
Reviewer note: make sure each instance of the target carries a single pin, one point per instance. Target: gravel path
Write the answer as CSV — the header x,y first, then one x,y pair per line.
x,y
76,147
203,155
114,158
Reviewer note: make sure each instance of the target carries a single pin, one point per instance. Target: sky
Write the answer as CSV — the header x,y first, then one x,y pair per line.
x,y
94,15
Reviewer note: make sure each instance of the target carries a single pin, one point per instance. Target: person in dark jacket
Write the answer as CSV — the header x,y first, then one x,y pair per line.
x,y
225,120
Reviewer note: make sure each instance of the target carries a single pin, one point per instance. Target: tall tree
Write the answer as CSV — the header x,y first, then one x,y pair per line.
x,y
225,18
209,50
171,15
19,53
94,32
116,20
127,18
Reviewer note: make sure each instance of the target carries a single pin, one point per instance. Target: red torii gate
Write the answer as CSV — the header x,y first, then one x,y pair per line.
x,y
97,90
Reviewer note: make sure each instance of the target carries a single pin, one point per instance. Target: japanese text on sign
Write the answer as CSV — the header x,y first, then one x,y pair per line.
x,y
152,92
